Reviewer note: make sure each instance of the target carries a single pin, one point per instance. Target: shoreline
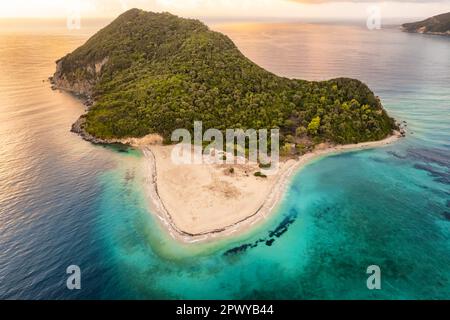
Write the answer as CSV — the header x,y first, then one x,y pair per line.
x,y
265,208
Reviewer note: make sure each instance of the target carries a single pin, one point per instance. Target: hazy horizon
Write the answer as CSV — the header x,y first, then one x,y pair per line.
x,y
226,9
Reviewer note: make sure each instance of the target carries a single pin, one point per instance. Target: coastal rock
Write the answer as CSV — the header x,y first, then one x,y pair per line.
x,y
78,128
62,80
81,86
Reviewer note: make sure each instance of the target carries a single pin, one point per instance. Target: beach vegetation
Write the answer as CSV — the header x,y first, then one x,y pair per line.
x,y
259,174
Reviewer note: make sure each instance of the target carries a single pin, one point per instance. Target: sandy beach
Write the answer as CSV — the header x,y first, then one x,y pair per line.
x,y
201,202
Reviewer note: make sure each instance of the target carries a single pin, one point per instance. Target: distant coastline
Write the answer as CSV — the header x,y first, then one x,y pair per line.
x,y
437,25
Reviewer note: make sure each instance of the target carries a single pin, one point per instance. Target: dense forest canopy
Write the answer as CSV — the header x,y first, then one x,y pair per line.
x,y
155,72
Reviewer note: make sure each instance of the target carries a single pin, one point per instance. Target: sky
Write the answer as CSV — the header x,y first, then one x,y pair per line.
x,y
322,9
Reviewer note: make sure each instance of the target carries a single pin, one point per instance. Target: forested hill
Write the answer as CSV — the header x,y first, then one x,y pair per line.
x,y
155,72
439,24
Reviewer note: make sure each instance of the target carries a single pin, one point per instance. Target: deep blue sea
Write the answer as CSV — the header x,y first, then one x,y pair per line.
x,y
64,201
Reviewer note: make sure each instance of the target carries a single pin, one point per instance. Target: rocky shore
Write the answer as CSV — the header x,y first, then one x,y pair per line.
x,y
82,90
78,128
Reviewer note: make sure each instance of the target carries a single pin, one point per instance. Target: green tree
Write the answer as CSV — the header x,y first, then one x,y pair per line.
x,y
314,126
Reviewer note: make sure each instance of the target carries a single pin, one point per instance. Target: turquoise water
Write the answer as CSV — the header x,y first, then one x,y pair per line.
x,y
66,202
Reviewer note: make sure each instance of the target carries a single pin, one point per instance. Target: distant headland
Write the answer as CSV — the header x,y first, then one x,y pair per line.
x,y
438,25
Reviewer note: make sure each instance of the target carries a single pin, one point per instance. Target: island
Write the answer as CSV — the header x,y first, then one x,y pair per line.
x,y
437,25
147,74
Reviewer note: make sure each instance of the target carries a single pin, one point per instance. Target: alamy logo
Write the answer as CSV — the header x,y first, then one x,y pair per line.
x,y
374,19
74,280
374,281
239,146
74,15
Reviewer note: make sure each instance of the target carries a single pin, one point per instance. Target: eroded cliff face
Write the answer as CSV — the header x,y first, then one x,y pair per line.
x,y
81,80
437,25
